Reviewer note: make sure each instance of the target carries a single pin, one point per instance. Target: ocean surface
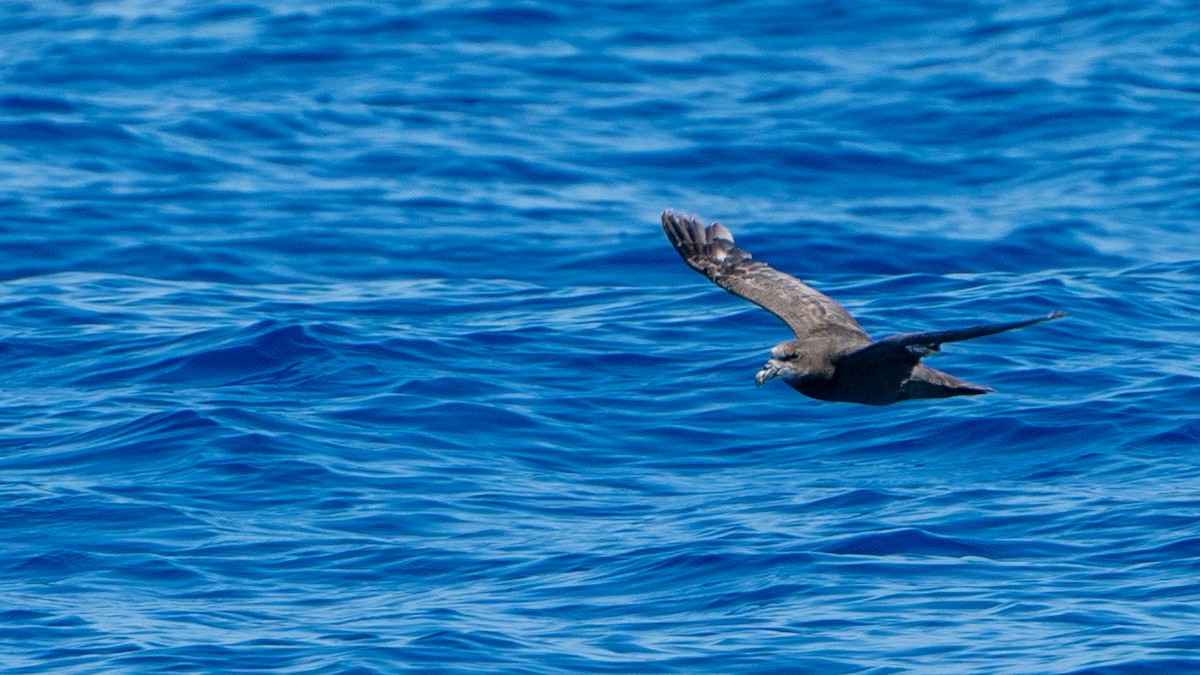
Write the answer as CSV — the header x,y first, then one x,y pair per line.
x,y
342,337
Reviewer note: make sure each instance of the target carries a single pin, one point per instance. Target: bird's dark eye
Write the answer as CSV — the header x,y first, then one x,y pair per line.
x,y
788,357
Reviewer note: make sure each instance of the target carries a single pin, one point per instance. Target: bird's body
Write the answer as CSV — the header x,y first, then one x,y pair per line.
x,y
832,358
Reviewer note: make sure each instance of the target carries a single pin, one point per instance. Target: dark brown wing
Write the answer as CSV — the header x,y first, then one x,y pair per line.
x,y
711,251
911,347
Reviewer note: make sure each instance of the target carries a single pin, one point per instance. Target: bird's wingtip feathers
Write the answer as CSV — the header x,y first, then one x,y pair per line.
x,y
719,231
694,241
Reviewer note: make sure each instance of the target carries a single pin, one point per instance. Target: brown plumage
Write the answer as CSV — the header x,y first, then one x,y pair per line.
x,y
831,358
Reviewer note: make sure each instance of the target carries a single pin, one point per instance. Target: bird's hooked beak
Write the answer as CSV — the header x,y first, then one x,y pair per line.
x,y
768,372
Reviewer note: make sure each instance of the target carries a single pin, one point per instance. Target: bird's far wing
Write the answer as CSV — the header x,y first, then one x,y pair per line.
x,y
911,347
711,251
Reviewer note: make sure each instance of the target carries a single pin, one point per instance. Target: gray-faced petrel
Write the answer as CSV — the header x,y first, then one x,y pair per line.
x,y
832,358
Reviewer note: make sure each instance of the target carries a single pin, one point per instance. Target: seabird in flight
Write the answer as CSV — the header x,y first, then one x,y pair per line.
x,y
831,358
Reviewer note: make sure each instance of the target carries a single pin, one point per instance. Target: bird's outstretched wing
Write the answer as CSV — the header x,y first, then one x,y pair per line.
x,y
911,347
711,251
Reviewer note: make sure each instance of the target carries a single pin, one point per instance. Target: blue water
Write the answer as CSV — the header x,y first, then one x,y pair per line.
x,y
343,338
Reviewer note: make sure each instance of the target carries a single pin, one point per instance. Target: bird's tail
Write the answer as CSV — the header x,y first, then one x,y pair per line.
x,y
930,383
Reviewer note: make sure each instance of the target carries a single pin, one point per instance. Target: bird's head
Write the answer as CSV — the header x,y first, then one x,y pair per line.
x,y
786,361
